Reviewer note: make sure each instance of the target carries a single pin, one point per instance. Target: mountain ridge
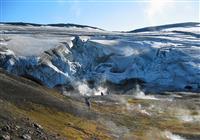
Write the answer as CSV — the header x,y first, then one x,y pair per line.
x,y
147,28
53,25
165,26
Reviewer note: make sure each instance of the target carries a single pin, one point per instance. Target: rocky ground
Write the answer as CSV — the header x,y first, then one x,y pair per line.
x,y
30,111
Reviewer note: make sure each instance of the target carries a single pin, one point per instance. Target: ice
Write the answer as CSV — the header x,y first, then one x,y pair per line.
x,y
162,59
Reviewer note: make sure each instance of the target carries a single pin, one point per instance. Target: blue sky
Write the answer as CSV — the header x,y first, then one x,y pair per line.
x,y
107,14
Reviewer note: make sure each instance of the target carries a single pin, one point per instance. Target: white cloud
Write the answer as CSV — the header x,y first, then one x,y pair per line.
x,y
157,9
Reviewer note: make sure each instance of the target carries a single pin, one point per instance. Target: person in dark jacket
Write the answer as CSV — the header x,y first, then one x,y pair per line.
x,y
87,102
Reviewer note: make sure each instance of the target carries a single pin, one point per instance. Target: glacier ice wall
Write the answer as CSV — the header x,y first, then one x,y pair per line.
x,y
161,59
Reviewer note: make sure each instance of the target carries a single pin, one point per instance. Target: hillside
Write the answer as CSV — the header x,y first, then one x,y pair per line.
x,y
53,25
30,111
27,108
167,27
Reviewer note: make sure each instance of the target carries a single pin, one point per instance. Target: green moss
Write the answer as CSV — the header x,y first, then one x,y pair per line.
x,y
66,124
194,113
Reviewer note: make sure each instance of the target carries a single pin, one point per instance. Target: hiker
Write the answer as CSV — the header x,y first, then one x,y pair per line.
x,y
87,102
102,94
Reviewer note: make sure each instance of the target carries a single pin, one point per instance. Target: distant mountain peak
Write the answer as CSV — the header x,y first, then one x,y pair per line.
x,y
167,26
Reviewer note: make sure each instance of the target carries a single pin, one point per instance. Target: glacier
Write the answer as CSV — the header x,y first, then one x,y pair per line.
x,y
161,59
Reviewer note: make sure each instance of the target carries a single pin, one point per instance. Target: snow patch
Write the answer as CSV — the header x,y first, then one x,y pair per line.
x,y
172,136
